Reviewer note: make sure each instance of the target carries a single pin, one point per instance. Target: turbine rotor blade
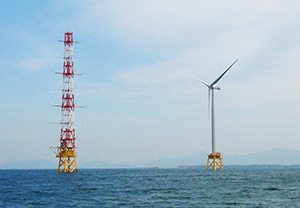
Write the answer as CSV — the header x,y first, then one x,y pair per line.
x,y
220,77
201,81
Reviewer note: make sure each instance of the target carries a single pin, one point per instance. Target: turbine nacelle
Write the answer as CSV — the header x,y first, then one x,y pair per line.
x,y
215,88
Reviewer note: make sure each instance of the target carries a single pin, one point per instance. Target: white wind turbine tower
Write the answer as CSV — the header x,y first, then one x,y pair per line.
x,y
215,159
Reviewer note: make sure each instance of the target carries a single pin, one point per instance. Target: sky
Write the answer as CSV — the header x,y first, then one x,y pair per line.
x,y
135,58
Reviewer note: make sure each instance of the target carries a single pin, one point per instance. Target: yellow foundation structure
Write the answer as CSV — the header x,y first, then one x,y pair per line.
x,y
67,160
215,161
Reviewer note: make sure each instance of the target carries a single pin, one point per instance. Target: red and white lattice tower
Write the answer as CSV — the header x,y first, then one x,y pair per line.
x,y
66,149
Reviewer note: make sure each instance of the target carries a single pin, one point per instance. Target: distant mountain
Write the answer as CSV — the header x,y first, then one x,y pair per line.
x,y
271,157
99,164
31,164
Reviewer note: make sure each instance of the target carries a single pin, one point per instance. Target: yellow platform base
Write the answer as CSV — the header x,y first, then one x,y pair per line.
x,y
67,160
215,161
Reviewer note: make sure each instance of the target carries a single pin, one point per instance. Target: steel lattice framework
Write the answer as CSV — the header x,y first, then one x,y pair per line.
x,y
66,150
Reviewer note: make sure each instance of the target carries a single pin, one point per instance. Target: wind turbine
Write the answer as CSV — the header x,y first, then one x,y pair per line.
x,y
211,87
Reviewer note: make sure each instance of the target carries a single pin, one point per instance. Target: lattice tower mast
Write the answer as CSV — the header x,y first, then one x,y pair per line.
x,y
66,150
67,135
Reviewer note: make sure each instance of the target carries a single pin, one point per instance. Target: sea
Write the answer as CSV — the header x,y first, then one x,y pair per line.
x,y
236,186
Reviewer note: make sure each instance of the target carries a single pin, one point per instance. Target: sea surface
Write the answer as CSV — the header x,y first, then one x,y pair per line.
x,y
254,186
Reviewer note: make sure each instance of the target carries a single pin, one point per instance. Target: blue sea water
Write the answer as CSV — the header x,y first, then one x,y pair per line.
x,y
264,186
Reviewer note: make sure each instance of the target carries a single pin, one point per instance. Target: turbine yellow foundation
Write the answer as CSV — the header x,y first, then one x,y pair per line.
x,y
215,161
67,160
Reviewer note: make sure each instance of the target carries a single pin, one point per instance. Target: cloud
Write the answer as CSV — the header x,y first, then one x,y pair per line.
x,y
34,64
202,39
30,51
183,20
